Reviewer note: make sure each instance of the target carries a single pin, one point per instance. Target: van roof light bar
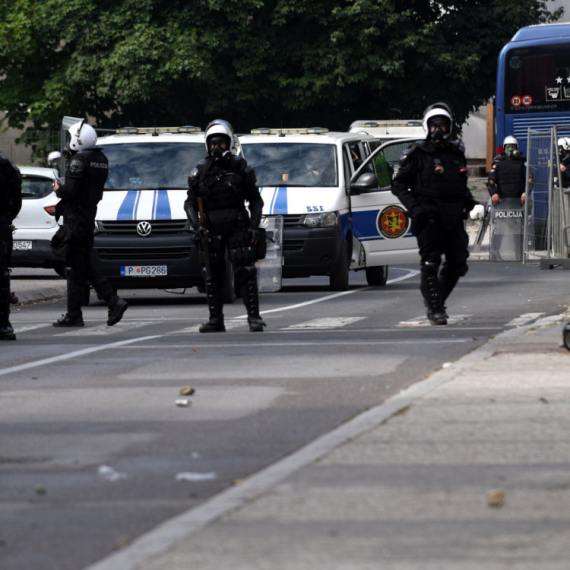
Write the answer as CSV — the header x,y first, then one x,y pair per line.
x,y
156,130
301,131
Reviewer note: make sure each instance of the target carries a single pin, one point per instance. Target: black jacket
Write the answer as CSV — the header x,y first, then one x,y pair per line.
x,y
10,190
434,179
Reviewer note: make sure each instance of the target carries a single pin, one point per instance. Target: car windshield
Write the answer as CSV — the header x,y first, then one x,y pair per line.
x,y
34,187
151,166
293,164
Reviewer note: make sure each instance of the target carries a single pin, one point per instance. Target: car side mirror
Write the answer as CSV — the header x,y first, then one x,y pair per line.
x,y
366,182
53,158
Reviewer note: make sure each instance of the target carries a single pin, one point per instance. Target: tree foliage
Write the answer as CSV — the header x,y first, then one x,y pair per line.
x,y
254,62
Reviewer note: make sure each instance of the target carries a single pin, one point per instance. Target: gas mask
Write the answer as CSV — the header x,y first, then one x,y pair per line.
x,y
512,151
218,147
442,129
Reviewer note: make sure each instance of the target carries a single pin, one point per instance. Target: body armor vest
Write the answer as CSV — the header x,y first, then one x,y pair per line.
x,y
442,177
222,188
511,175
88,170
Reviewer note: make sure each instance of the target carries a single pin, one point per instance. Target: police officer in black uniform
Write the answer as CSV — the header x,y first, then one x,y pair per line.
x,y
432,185
507,177
83,189
223,182
10,204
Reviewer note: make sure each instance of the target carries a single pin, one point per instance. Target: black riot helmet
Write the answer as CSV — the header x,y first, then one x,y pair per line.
x,y
220,139
438,122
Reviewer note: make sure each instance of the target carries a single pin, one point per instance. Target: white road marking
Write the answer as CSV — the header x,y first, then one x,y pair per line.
x,y
523,319
70,355
411,273
229,324
424,322
104,330
325,323
18,329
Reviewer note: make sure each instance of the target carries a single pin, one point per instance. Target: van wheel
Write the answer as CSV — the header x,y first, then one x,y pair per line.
x,y
229,284
377,275
339,279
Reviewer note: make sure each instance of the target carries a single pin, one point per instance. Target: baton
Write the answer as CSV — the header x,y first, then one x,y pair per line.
x,y
205,243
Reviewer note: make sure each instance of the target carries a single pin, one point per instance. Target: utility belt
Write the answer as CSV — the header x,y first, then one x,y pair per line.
x,y
240,249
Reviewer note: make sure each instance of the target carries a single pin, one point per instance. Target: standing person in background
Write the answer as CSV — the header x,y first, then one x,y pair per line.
x,y
10,205
432,185
507,178
222,183
85,179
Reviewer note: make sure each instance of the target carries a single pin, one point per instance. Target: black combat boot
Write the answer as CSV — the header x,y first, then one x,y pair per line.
x,y
251,301
6,330
117,308
215,323
446,285
75,296
430,291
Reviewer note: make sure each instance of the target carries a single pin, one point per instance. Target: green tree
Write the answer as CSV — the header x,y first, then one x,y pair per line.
x,y
254,62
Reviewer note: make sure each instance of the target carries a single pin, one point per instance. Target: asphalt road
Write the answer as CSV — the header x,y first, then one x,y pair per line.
x,y
94,451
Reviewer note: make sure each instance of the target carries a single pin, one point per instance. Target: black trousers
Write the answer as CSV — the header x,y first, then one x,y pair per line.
x,y
78,266
435,241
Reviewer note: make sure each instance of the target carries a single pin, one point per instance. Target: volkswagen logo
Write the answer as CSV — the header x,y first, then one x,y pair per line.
x,y
144,229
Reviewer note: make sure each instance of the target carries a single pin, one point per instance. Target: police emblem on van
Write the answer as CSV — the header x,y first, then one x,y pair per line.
x,y
144,229
392,222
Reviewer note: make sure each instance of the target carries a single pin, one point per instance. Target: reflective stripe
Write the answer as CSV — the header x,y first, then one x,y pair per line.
x,y
127,209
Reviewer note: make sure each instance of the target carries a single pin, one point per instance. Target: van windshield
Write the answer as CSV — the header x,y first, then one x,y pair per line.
x,y
151,166
293,164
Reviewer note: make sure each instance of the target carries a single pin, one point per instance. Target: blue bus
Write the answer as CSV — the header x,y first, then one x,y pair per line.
x,y
533,82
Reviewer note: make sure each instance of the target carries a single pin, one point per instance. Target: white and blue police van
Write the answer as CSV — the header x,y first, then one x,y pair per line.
x,y
143,239
334,196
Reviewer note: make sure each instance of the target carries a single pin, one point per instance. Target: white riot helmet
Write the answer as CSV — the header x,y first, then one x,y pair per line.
x,y
440,116
216,132
82,136
564,143
511,146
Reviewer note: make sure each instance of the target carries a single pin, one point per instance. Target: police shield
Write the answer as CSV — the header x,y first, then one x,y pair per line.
x,y
269,270
507,227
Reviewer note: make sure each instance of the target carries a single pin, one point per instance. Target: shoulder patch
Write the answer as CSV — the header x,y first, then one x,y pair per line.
x,y
76,167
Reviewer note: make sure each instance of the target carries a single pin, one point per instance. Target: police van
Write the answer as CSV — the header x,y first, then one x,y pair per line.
x,y
143,239
335,199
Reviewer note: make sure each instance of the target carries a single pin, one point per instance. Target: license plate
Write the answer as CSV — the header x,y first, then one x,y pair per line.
x,y
22,245
143,270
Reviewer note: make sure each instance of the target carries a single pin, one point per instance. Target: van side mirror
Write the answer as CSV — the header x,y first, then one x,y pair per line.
x,y
53,158
366,182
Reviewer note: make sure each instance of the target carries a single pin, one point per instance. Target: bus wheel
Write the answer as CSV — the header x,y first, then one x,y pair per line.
x,y
377,275
339,279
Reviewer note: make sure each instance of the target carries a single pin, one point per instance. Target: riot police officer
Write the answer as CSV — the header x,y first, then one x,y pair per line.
x,y
508,173
432,185
83,189
564,145
222,183
10,204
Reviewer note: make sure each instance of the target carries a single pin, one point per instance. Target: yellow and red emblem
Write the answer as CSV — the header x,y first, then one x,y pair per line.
x,y
392,222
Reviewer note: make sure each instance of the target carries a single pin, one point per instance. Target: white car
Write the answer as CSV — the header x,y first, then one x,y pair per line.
x,y
35,224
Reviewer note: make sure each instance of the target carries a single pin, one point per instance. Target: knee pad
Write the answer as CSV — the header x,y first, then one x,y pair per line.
x,y
249,272
429,268
454,270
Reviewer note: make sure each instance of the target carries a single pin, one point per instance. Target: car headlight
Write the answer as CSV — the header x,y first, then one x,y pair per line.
x,y
322,220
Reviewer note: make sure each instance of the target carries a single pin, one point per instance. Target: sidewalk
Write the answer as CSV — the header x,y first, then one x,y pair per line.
x,y
409,484
31,285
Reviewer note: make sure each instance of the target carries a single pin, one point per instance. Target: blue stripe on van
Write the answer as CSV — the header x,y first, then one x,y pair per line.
x,y
280,204
126,211
163,206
